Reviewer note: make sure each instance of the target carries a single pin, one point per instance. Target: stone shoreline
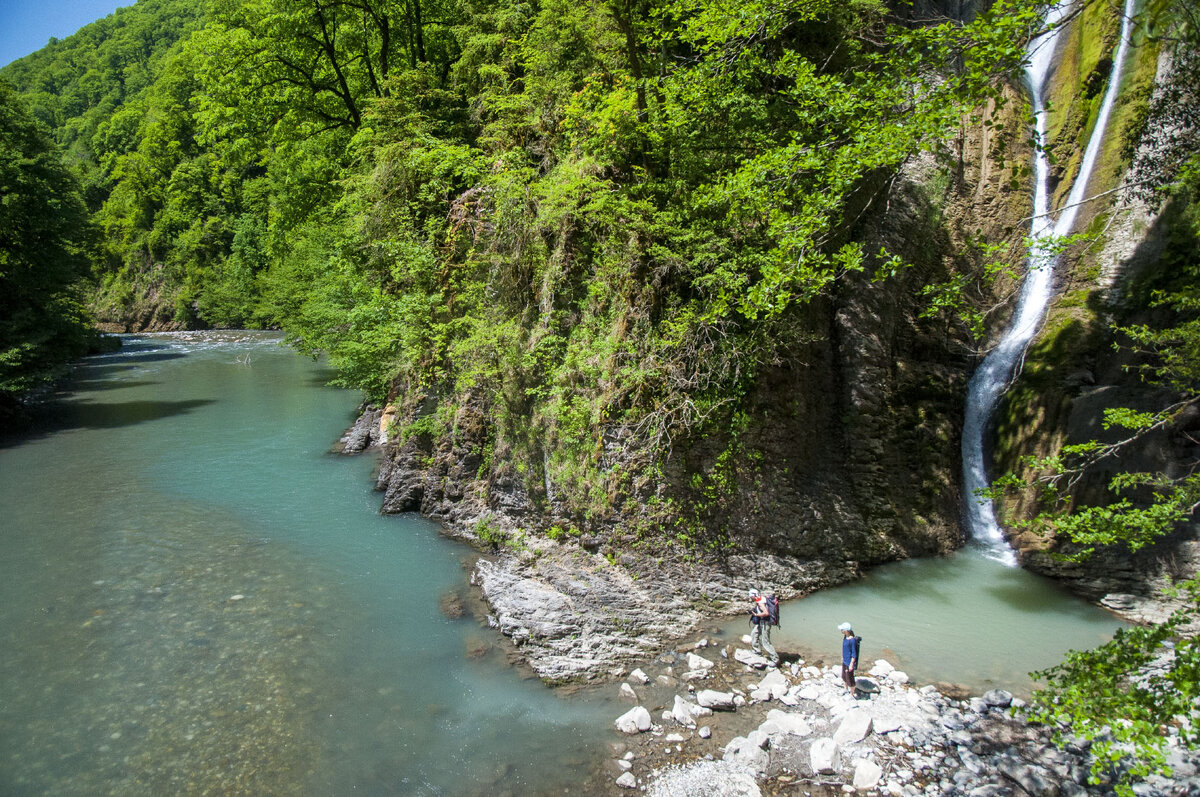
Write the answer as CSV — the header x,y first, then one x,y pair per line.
x,y
734,725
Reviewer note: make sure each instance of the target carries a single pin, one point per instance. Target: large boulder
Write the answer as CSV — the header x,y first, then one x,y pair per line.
x,y
866,774
683,712
785,722
854,728
751,659
636,720
750,751
998,698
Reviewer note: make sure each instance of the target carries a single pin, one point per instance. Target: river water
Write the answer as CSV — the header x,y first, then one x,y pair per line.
x,y
195,597
965,619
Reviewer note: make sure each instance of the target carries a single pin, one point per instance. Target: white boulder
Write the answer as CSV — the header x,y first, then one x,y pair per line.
x,y
636,720
825,756
695,662
881,668
682,713
627,781
627,693
710,698
787,722
866,774
854,728
751,659
749,751
640,676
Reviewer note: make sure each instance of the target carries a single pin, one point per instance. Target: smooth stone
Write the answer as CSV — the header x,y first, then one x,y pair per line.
x,y
682,713
751,659
640,676
881,668
885,723
998,698
627,693
627,781
705,732
695,662
825,756
636,720
854,728
866,774
773,679
710,698
747,752
788,722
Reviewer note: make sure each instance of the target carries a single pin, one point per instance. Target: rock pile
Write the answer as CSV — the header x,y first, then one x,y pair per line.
x,y
887,738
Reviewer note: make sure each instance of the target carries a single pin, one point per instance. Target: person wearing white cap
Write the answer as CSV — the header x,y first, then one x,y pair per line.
x,y
760,627
849,655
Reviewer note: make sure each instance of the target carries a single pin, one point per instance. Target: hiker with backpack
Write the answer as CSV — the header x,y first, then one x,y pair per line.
x,y
850,646
764,613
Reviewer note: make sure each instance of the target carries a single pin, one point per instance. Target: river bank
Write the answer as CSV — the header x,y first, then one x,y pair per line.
x,y
716,719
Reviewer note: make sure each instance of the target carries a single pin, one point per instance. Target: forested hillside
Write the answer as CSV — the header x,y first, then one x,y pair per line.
x,y
590,214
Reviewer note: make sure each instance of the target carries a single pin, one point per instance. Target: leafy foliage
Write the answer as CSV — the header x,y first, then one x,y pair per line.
x,y
1127,696
45,242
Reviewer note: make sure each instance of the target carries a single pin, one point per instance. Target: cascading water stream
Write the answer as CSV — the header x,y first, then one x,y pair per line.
x,y
992,377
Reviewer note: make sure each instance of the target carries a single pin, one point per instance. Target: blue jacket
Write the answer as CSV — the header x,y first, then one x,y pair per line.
x,y
849,650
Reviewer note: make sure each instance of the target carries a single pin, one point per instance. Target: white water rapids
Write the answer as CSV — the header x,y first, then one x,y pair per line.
x,y
994,374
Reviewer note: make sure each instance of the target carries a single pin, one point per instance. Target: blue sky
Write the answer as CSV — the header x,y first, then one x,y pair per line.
x,y
27,25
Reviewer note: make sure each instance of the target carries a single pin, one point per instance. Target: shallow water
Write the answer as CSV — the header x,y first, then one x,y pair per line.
x,y
196,597
966,619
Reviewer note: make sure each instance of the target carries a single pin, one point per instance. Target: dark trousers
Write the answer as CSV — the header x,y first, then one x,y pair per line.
x,y
847,677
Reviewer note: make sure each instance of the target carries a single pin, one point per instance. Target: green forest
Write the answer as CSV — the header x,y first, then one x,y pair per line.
x,y
577,214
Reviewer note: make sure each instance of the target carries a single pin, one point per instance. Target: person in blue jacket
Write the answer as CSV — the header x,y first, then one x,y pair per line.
x,y
849,655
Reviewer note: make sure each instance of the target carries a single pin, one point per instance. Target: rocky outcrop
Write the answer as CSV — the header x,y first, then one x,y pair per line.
x,y
365,433
575,615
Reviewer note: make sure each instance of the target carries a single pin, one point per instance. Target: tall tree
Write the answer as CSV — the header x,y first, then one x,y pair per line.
x,y
45,242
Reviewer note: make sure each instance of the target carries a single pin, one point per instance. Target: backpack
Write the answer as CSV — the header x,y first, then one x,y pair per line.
x,y
772,610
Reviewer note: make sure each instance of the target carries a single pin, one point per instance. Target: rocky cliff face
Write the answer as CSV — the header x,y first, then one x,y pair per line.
x,y
848,456
1073,373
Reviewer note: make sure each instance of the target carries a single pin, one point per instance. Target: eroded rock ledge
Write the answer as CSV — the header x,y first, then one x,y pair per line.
x,y
576,615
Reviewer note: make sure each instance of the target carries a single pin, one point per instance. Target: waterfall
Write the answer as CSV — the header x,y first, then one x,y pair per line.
x,y
992,377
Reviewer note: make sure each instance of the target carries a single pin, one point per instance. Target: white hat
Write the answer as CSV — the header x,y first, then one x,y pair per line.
x,y
753,593
844,627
